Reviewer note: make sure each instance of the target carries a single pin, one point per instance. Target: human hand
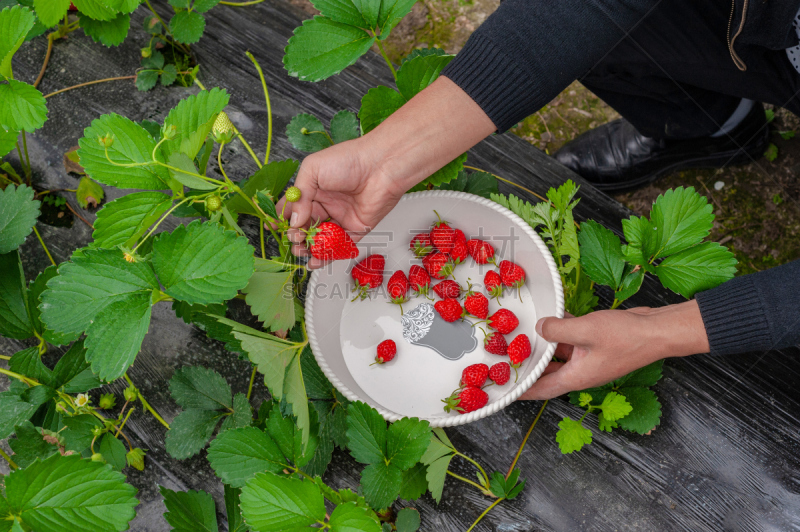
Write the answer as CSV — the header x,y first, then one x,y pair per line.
x,y
605,345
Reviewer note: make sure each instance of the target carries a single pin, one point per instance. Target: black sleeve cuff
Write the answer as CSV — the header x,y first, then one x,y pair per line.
x,y
504,91
735,317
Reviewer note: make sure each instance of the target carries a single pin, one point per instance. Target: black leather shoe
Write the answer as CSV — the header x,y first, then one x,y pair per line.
x,y
616,158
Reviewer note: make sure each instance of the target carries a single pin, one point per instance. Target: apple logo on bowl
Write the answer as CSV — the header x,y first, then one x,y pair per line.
x,y
424,327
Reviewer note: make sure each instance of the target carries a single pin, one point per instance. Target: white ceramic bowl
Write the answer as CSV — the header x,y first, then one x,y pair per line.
x,y
344,334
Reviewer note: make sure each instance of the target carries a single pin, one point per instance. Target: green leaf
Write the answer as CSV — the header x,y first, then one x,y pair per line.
x,y
407,440
234,513
414,482
190,431
113,451
682,218
66,493
51,12
377,105
201,6
72,373
445,174
419,72
35,290
646,413
189,511
15,23
8,141
771,153
572,436
18,214
317,384
321,48
270,502
306,133
169,75
30,445
266,204
124,220
132,145
349,517
696,269
478,183
108,32
21,107
615,406
271,299
646,376
283,431
201,388
202,263
13,411
605,424
89,192
344,126
348,11
187,26
242,411
97,9
146,79
272,177
392,12
631,284
14,319
184,170
188,313
194,117
381,484
601,254
28,362
109,298
366,433
78,434
238,454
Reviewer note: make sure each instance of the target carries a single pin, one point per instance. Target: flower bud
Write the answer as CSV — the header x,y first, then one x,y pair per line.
x,y
107,140
107,401
98,431
169,131
135,458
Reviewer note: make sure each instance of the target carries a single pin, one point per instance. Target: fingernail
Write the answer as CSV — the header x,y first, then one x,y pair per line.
x,y
539,325
293,219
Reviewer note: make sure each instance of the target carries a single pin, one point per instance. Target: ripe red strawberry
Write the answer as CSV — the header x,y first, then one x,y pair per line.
x,y
476,304
386,352
503,321
474,375
439,265
442,235
328,241
512,274
421,244
448,289
449,309
493,284
467,400
419,280
459,251
518,350
481,251
368,274
500,373
398,288
495,343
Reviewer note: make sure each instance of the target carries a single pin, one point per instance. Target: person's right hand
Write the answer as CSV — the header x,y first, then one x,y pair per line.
x,y
341,183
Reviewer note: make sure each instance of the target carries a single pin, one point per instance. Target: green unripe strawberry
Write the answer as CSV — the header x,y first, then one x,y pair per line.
x,y
213,203
147,52
293,194
130,394
97,457
107,401
135,458
106,141
223,129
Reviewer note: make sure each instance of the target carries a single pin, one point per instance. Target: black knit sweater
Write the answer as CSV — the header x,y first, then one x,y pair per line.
x,y
528,51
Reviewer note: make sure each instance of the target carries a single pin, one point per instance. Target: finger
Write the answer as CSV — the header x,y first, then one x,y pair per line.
x,y
318,213
563,330
564,351
530,394
296,236
299,251
307,183
555,383
314,263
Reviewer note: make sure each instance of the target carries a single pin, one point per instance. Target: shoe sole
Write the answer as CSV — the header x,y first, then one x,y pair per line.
x,y
719,160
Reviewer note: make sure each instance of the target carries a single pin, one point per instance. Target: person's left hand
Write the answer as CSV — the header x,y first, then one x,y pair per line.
x,y
605,345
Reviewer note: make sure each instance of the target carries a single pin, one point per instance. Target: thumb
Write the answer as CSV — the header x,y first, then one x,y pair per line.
x,y
566,330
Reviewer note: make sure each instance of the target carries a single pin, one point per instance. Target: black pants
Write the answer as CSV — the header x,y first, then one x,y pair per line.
x,y
673,75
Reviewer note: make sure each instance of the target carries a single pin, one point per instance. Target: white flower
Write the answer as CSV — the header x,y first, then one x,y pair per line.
x,y
82,399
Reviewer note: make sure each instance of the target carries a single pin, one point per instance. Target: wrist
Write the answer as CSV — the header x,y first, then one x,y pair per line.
x,y
678,330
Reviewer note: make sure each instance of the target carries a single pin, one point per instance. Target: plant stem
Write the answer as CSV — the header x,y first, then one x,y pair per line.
x,y
252,380
84,220
459,477
249,149
119,429
87,84
616,303
324,133
263,250
3,357
159,222
504,180
50,39
49,256
145,404
383,53
8,459
476,464
266,92
28,169
525,439
486,511
23,378
241,4
199,84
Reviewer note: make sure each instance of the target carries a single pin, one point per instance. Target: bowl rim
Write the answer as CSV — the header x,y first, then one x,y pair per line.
x,y
491,408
